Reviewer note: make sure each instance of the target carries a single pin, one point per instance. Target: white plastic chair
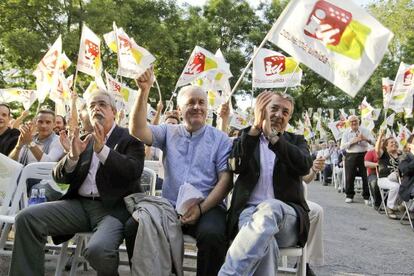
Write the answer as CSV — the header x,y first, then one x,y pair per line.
x,y
300,253
148,181
38,170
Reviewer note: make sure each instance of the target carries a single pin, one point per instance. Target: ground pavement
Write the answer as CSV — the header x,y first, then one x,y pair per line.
x,y
358,240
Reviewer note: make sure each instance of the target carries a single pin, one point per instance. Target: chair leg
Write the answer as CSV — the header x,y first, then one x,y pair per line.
x,y
302,266
76,256
60,265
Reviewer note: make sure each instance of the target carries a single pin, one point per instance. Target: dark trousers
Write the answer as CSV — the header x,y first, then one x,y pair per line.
x,y
209,233
354,162
66,217
327,172
375,191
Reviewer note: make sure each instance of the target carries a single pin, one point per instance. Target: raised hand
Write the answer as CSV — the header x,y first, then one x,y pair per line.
x,y
99,137
259,109
25,134
64,140
77,146
224,111
146,80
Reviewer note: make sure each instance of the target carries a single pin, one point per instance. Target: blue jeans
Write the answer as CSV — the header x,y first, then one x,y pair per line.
x,y
263,229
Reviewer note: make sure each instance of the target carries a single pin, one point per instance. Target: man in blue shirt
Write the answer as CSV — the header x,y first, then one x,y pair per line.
x,y
194,153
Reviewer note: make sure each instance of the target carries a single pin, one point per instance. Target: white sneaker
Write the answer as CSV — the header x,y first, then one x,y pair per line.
x,y
348,200
367,202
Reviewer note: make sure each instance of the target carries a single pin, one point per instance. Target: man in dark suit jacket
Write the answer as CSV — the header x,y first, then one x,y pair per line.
x,y
101,169
268,209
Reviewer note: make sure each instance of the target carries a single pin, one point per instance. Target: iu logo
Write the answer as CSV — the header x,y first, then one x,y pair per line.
x,y
91,50
274,65
408,77
327,23
197,64
124,43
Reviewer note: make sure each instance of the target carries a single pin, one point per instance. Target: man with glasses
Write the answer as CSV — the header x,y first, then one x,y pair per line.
x,y
356,140
102,169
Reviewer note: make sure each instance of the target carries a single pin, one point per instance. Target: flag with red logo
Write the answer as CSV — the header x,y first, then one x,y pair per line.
x,y
47,71
198,65
337,39
133,59
89,58
64,62
401,98
123,94
272,69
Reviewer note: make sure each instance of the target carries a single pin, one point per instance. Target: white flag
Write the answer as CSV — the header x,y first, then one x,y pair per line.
x,y
25,97
133,60
47,71
337,39
402,90
89,58
387,85
198,65
272,69
366,109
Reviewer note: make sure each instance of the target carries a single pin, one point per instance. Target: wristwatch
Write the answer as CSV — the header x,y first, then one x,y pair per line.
x,y
31,145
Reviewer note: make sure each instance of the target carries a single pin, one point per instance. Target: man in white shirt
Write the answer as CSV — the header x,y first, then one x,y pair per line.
x,y
44,146
356,141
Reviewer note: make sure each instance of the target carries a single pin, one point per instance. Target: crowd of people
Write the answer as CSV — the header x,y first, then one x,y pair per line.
x,y
102,163
375,161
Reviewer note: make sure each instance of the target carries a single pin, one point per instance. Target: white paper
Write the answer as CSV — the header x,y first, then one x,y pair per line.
x,y
188,195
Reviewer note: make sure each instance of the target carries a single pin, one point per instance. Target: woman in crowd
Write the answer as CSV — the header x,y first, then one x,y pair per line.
x,y
388,159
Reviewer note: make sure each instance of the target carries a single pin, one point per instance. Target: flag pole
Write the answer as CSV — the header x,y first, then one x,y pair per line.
x,y
158,88
74,79
291,77
170,101
255,53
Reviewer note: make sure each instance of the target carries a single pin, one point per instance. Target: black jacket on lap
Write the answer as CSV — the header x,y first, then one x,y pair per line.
x,y
8,140
293,162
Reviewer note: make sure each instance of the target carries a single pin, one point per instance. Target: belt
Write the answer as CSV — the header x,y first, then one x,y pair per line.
x,y
94,198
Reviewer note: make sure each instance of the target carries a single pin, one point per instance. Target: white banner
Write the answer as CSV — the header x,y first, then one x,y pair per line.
x,y
337,39
272,70
401,98
89,58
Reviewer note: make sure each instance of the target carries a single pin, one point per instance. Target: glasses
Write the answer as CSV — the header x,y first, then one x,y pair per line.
x,y
100,104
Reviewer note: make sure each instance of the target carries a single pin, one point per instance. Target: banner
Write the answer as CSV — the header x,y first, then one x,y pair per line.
x,y
25,97
337,39
200,62
402,90
273,70
89,58
47,70
133,59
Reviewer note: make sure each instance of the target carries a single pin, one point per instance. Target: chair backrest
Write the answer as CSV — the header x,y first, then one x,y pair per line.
x,y
9,174
156,166
37,170
148,181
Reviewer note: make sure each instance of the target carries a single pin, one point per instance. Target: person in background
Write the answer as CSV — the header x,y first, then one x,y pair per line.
x,y
8,136
388,160
356,141
371,163
60,124
44,146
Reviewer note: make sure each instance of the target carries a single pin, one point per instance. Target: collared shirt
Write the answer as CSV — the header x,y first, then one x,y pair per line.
x,y
327,154
88,187
264,187
55,152
349,135
196,158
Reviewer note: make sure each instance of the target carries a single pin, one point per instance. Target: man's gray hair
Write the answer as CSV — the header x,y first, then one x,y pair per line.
x,y
102,92
186,89
286,97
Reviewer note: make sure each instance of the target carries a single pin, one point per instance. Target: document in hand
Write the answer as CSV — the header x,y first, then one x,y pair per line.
x,y
188,195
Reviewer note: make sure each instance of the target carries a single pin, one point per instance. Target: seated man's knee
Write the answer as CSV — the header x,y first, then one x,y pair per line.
x,y
272,208
101,258
315,211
